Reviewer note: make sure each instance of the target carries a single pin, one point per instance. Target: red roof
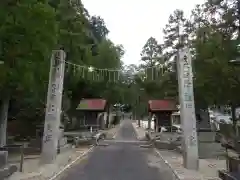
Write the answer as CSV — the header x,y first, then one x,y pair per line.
x,y
92,104
162,105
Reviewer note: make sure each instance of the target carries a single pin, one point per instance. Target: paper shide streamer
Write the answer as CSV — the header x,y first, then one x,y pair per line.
x,y
111,75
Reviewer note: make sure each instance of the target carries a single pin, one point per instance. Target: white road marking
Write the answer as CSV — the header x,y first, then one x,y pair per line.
x,y
70,164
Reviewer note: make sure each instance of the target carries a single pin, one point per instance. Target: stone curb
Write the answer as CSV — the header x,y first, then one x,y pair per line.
x,y
148,136
175,173
169,165
40,175
114,133
195,176
71,163
117,128
178,177
136,132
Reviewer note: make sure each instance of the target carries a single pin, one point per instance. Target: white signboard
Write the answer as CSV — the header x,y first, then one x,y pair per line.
x,y
187,109
53,109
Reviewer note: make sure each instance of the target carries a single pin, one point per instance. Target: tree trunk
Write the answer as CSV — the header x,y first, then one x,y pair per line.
x,y
3,120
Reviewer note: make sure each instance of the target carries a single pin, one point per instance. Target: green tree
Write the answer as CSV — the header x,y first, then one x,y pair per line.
x,y
151,52
174,36
28,33
215,46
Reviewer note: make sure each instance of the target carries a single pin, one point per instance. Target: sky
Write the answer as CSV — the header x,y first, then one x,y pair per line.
x,y
132,22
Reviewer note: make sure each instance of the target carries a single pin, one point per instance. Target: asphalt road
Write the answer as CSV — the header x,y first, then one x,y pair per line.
x,y
120,160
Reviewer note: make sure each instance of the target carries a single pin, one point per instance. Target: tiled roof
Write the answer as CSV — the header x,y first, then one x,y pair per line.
x,y
92,104
162,105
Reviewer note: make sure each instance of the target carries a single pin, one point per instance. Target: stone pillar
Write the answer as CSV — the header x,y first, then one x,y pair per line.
x,y
3,158
187,110
4,105
53,111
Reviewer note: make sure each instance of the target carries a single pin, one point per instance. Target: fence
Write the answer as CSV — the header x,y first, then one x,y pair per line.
x,y
19,151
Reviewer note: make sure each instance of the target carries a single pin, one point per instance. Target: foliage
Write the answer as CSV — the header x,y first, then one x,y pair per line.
x,y
29,31
151,52
214,44
212,34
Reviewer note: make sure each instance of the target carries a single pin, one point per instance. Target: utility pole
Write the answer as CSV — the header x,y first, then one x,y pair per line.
x,y
53,109
187,110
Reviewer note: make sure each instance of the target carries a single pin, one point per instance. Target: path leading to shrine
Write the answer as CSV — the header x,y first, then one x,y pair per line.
x,y
123,158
